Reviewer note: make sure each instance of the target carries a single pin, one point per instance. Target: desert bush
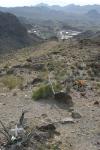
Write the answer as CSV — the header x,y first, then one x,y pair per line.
x,y
6,66
45,91
12,81
98,85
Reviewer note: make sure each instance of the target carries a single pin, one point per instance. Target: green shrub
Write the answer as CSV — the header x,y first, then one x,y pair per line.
x,y
97,85
45,91
54,147
12,81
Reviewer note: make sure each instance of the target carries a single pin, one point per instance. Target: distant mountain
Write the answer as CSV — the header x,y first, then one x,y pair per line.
x,y
93,13
73,15
36,13
13,34
72,8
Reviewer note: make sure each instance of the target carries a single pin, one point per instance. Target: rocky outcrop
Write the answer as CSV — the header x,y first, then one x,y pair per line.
x,y
13,35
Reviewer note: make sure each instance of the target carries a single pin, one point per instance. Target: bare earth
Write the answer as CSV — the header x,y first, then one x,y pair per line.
x,y
83,134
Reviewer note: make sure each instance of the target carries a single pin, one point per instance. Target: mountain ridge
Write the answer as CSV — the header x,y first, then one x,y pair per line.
x,y
67,8
13,34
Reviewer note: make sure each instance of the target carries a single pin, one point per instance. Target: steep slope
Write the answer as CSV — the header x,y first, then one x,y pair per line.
x,y
93,13
13,34
89,37
77,127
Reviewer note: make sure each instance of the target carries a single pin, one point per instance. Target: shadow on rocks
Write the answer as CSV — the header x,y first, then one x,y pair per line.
x,y
60,99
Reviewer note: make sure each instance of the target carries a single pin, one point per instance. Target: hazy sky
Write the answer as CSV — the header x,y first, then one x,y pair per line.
x,y
51,2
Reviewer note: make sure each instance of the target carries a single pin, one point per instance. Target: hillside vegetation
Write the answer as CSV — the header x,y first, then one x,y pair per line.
x,y
24,81
50,78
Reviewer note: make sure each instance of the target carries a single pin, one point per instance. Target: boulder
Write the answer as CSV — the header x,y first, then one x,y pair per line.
x,y
11,71
29,60
2,72
47,127
36,80
38,67
83,94
63,97
96,103
67,120
76,115
46,131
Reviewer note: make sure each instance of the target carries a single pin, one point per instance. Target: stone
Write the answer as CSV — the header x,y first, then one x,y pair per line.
x,y
17,66
2,72
14,94
67,120
27,96
35,81
11,71
44,115
98,143
4,104
63,97
42,136
45,131
76,115
47,127
29,60
3,94
96,103
83,94
38,67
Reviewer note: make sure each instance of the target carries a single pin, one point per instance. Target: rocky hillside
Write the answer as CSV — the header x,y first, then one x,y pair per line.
x,y
93,13
51,123
13,34
89,37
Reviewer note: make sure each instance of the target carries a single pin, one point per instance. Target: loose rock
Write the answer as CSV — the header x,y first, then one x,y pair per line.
x,y
96,103
63,97
67,120
76,115
36,80
47,127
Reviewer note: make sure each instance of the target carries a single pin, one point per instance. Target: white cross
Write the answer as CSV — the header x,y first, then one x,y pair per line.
x,y
17,130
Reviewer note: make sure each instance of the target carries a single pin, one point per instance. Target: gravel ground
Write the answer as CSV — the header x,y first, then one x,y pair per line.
x,y
84,134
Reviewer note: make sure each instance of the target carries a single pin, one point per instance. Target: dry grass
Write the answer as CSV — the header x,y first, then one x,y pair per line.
x,y
45,91
21,55
11,81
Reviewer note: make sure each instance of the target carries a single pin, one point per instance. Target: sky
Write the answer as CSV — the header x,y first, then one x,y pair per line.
x,y
9,3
